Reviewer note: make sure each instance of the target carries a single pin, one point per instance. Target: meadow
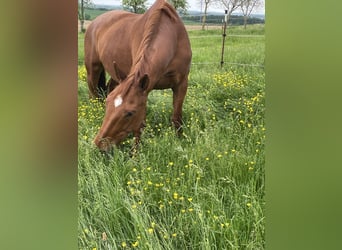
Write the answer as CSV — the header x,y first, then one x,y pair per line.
x,y
203,190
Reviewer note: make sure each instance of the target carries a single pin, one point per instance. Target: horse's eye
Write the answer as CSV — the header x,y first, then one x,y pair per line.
x,y
129,113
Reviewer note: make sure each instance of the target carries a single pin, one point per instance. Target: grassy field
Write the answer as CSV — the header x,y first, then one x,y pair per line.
x,y
204,190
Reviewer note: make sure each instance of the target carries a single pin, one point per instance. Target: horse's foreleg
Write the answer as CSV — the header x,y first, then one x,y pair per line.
x,y
137,135
179,93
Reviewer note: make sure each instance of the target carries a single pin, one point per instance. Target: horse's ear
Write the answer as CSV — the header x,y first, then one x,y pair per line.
x,y
118,73
144,81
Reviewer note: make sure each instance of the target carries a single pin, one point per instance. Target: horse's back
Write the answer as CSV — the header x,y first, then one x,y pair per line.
x,y
106,32
107,24
108,20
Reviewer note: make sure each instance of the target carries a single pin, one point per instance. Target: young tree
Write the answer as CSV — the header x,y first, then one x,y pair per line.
x,y
206,5
247,7
229,5
180,5
82,4
135,6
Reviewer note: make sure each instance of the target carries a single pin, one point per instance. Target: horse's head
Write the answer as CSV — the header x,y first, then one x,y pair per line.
x,y
125,112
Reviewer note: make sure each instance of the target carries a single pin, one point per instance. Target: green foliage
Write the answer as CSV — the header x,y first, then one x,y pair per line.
x,y
135,6
203,190
87,16
180,5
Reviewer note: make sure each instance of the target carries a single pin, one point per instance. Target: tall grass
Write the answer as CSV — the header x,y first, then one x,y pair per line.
x,y
203,190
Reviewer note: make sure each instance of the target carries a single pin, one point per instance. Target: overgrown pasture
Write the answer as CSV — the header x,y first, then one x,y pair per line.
x,y
203,190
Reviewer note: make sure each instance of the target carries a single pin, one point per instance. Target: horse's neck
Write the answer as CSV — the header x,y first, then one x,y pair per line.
x,y
154,58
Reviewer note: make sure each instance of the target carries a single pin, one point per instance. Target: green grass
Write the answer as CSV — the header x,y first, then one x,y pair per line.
x,y
204,190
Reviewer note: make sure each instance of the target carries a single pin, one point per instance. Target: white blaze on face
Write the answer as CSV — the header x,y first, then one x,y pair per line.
x,y
117,101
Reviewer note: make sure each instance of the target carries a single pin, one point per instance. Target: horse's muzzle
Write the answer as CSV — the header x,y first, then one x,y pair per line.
x,y
104,144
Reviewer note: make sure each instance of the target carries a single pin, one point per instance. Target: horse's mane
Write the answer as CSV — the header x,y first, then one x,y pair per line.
x,y
152,22
153,16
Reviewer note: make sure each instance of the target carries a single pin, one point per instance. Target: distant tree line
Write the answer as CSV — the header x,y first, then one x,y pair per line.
x,y
218,19
139,6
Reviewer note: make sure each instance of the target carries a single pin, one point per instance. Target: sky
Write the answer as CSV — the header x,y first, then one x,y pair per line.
x,y
194,5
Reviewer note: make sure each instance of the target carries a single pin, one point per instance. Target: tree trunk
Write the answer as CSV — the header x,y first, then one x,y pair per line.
x,y
245,21
82,26
82,16
205,15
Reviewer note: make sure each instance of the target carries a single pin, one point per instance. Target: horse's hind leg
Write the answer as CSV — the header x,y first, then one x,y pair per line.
x,y
101,87
96,78
179,93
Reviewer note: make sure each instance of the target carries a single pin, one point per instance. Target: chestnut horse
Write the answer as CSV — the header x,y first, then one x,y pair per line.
x,y
140,52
